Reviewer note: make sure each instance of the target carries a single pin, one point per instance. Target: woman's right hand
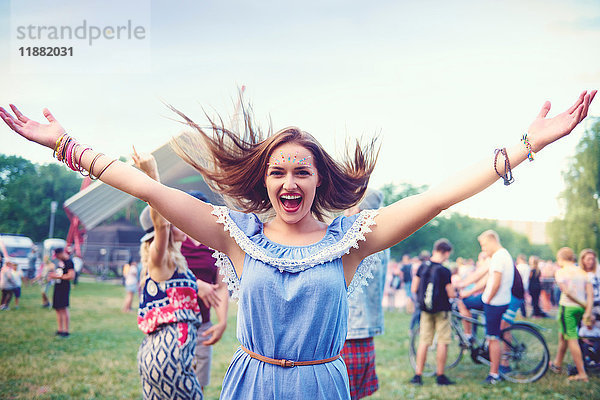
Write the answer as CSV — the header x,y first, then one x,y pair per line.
x,y
44,134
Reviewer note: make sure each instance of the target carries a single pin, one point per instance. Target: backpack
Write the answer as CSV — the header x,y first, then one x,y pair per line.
x,y
517,289
430,289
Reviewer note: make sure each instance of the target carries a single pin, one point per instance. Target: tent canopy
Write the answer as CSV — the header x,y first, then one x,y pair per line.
x,y
99,201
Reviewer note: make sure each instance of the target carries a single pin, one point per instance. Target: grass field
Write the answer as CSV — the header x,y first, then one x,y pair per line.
x,y
99,360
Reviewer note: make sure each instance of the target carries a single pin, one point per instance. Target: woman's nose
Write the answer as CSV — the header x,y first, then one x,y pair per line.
x,y
290,182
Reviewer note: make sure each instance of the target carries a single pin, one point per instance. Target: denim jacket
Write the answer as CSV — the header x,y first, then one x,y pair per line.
x,y
366,312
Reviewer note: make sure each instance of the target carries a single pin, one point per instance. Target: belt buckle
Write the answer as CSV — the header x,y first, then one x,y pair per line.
x,y
289,364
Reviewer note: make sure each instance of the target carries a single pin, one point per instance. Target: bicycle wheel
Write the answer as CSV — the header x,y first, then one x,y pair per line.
x,y
455,353
526,352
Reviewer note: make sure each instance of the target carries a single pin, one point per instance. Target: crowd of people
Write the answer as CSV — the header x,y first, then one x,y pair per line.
x,y
292,272
501,288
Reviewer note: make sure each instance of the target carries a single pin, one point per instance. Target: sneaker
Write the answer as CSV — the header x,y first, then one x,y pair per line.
x,y
490,380
416,380
64,334
443,380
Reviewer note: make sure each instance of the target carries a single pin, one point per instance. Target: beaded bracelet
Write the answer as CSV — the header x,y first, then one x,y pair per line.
x,y
530,152
507,176
57,145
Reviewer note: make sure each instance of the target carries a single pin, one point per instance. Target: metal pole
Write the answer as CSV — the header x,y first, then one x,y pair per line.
x,y
53,206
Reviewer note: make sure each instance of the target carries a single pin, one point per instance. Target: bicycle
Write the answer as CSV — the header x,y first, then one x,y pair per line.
x,y
523,347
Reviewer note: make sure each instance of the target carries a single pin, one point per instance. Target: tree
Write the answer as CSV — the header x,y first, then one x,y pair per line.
x,y
26,191
580,227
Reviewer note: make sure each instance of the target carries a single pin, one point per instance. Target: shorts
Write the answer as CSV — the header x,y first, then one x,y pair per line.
x,y
493,317
407,289
359,356
474,302
131,288
203,356
568,321
435,323
511,312
17,292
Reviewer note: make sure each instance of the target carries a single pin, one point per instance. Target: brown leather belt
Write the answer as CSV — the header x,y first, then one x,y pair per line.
x,y
287,363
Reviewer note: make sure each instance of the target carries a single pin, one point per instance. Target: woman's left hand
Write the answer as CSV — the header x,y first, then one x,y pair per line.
x,y
208,293
544,131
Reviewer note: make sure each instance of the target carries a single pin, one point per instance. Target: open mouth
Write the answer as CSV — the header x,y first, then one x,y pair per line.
x,y
290,202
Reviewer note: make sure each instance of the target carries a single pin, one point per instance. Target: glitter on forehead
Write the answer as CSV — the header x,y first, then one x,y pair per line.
x,y
273,160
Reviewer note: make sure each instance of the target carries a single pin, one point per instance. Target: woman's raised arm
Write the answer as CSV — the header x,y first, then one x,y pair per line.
x,y
399,220
190,215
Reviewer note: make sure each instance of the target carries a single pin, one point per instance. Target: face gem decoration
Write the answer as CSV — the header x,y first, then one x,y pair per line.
x,y
283,158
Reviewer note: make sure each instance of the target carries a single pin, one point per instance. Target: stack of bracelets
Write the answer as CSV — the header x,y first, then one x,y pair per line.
x,y
508,176
65,150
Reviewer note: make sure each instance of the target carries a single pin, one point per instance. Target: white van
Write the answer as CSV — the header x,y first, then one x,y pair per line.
x,y
16,248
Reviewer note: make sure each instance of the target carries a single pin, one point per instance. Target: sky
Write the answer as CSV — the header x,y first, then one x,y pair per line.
x,y
442,83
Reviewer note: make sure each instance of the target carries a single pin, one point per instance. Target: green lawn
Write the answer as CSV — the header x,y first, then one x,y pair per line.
x,y
99,360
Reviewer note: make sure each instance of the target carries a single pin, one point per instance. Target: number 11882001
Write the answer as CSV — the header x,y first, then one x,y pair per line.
x,y
46,51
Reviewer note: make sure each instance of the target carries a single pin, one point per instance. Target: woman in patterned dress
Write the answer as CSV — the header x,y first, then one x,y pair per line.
x,y
168,313
292,272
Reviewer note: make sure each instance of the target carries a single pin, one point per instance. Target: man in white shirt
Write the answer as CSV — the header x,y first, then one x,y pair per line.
x,y
496,296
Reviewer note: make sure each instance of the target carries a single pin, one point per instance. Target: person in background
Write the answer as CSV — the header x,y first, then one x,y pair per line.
x,y
32,258
576,303
393,284
524,271
130,274
435,310
496,296
417,263
46,267
18,279
588,261
7,284
211,290
535,287
62,275
548,270
365,317
407,276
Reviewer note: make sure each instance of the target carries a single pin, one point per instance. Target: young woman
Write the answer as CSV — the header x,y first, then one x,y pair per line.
x,y
169,310
291,273
588,261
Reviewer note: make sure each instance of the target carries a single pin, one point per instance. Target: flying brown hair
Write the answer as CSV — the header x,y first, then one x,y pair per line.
x,y
235,165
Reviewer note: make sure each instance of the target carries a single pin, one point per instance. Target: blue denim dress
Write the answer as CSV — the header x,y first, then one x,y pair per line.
x,y
293,304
